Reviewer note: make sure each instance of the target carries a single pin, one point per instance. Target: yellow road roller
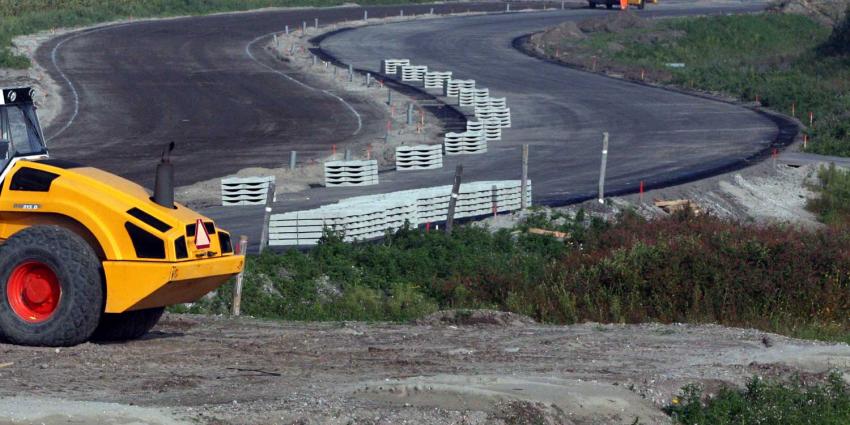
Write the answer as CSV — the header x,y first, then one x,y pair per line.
x,y
85,254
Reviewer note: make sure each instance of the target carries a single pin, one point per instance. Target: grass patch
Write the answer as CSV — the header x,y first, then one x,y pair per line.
x,y
31,16
786,61
832,205
679,269
766,402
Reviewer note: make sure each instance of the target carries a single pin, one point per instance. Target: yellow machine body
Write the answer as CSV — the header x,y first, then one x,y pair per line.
x,y
148,251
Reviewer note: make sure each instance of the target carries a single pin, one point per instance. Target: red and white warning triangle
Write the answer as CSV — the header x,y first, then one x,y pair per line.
x,y
202,237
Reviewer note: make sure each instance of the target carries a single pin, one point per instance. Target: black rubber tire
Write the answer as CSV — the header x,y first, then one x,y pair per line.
x,y
126,326
78,271
591,4
609,4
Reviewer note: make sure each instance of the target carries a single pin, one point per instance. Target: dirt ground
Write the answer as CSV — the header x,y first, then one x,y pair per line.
x,y
467,369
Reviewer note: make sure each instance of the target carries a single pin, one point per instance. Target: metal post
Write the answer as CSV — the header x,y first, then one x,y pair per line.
x,y
507,7
389,96
348,154
410,113
602,167
264,236
316,23
350,73
450,216
368,79
562,4
275,39
524,182
431,12
401,13
287,29
293,157
365,15
314,60
237,288
304,27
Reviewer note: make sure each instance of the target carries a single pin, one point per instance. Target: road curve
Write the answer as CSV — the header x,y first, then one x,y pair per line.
x,y
205,83
658,136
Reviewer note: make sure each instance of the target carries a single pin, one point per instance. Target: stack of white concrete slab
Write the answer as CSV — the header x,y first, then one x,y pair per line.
x,y
413,73
453,87
391,66
475,199
469,98
501,114
351,173
245,190
419,157
436,79
370,217
492,129
466,143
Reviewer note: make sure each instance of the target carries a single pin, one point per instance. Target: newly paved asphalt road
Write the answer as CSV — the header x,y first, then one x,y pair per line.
x,y
658,136
206,84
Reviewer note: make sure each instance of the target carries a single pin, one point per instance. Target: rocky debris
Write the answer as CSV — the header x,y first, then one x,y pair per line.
x,y
827,12
475,318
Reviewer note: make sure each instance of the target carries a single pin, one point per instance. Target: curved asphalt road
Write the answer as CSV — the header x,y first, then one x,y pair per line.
x,y
202,82
657,135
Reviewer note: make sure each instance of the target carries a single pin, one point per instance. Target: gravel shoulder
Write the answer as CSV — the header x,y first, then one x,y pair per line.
x,y
219,370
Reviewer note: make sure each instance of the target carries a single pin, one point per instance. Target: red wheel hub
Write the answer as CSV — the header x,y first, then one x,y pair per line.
x,y
33,291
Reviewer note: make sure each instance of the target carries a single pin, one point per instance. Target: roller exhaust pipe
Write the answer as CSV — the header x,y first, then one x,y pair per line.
x,y
163,187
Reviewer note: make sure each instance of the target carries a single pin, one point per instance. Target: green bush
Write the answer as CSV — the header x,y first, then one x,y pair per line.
x,y
833,201
839,41
678,269
765,402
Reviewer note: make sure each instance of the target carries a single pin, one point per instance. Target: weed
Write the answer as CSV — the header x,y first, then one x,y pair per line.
x,y
765,402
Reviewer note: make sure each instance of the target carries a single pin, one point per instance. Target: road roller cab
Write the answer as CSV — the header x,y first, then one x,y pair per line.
x,y
87,254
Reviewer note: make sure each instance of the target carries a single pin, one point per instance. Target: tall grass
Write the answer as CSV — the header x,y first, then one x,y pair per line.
x,y
776,58
680,269
766,402
19,17
833,201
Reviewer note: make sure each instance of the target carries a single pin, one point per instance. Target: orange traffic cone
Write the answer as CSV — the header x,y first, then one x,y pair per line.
x,y
624,4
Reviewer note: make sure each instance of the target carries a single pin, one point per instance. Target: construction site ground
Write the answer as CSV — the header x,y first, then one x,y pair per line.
x,y
481,368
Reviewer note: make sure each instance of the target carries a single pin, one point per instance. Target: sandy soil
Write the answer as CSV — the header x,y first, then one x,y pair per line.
x,y
484,369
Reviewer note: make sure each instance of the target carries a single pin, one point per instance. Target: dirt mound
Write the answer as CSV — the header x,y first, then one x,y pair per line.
x,y
475,317
566,31
827,12
615,23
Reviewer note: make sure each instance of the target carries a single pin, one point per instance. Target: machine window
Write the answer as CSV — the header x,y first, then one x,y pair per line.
x,y
24,137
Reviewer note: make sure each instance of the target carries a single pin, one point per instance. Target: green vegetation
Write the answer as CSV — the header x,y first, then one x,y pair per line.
x,y
26,17
681,269
833,202
763,402
786,61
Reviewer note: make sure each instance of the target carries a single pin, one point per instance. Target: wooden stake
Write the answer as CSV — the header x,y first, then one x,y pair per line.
x,y
237,288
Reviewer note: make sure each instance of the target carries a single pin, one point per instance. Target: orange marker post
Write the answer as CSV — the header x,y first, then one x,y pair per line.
x,y
624,4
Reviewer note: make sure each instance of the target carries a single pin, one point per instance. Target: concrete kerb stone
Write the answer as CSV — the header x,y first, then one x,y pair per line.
x,y
369,217
245,190
419,157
